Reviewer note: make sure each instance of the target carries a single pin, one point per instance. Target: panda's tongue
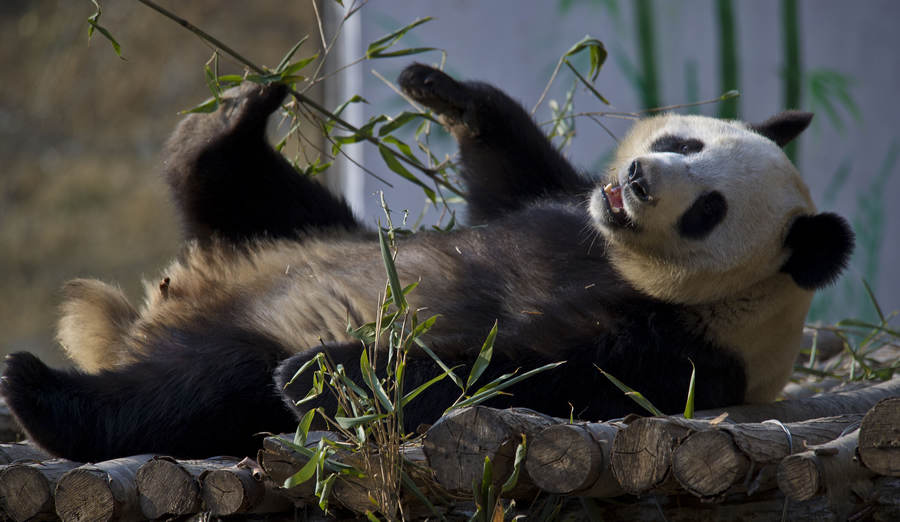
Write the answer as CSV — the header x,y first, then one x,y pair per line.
x,y
614,195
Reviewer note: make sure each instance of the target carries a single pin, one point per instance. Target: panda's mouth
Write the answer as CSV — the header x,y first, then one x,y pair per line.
x,y
615,206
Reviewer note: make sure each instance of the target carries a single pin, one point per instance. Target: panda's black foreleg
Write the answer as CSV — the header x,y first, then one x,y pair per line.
x,y
196,396
507,160
229,182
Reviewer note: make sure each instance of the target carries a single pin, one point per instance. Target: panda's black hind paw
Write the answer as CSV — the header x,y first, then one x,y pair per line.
x,y
435,89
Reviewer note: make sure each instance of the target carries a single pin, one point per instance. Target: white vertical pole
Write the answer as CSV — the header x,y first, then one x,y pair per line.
x,y
340,88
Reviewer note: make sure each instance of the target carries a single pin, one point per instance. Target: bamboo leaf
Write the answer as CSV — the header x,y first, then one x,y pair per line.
x,y
303,427
305,473
597,52
635,396
352,422
207,106
415,393
484,357
298,65
290,54
455,378
391,161
483,396
689,404
517,466
402,52
400,120
94,24
391,269
373,382
376,47
318,358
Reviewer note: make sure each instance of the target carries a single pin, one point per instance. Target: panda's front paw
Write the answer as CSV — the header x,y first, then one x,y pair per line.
x,y
435,89
249,104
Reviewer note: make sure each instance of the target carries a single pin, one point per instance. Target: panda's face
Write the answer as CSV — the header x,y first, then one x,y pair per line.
x,y
695,208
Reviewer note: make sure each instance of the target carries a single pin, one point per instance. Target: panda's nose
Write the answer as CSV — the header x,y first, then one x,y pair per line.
x,y
638,182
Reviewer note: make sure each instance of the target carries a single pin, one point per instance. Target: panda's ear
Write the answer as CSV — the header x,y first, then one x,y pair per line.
x,y
783,127
820,247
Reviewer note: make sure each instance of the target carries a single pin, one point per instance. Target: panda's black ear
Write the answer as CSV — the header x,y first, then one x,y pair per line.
x,y
820,248
783,127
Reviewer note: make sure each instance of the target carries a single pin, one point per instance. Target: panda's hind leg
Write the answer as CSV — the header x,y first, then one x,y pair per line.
x,y
507,160
196,393
229,182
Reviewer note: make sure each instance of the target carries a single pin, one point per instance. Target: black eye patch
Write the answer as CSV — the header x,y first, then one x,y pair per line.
x,y
702,217
677,144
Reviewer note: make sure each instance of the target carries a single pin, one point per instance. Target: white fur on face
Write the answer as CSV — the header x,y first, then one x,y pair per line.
x,y
762,189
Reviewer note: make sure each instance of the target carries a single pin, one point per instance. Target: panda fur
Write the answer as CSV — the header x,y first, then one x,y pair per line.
x,y
699,244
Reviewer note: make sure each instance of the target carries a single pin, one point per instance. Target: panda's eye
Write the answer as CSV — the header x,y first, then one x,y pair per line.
x,y
677,144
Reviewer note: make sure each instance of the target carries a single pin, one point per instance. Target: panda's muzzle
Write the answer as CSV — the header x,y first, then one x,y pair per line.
x,y
637,182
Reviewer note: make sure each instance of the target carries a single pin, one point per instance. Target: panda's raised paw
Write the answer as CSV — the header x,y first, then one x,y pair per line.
x,y
434,89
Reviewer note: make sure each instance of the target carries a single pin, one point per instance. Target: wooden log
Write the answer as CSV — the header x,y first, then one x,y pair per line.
x,y
240,489
641,454
879,438
760,508
457,444
280,461
102,491
826,469
26,490
22,451
573,459
721,459
169,487
826,405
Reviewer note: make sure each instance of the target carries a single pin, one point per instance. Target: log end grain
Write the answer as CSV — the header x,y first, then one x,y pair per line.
x,y
641,454
708,463
799,478
25,492
564,458
879,438
166,488
230,491
84,494
458,443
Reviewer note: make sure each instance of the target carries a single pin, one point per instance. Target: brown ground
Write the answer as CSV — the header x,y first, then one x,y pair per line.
x,y
80,135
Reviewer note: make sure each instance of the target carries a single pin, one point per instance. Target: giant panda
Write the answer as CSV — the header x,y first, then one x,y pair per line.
x,y
700,244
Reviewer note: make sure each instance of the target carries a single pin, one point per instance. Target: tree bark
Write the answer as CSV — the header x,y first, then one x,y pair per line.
x,y
879,438
573,459
101,491
170,487
457,444
26,490
743,457
25,450
826,405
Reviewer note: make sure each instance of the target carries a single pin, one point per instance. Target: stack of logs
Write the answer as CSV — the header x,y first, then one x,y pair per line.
x,y
828,457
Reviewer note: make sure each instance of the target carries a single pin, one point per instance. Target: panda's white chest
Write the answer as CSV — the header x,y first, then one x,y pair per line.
x,y
766,329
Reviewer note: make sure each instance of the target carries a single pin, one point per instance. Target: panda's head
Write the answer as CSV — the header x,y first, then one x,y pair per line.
x,y
695,209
